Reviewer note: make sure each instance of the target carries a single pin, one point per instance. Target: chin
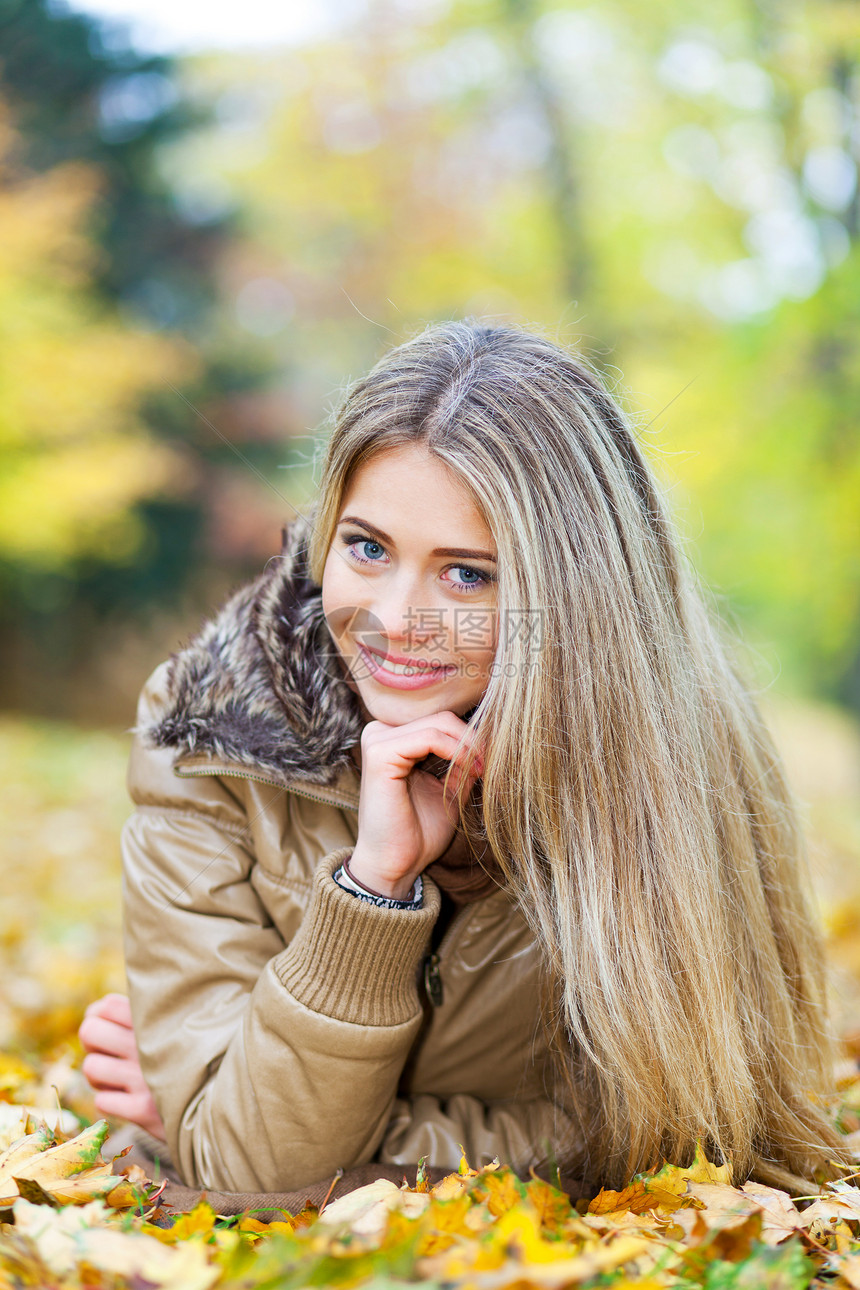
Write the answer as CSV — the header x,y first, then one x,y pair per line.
x,y
397,710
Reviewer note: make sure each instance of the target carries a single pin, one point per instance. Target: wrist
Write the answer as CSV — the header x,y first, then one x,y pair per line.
x,y
377,883
344,879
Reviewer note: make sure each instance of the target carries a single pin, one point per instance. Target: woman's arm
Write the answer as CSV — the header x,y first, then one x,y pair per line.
x,y
271,1066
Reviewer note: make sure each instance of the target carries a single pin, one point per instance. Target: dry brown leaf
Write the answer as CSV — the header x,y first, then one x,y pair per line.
x,y
366,1210
781,1217
623,1220
720,1201
849,1271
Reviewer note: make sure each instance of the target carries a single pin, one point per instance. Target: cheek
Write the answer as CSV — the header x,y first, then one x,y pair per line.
x,y
344,601
481,642
335,592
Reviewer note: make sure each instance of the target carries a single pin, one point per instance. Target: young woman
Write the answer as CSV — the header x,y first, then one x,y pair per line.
x,y
588,939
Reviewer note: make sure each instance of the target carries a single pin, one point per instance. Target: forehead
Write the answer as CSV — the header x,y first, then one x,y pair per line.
x,y
408,487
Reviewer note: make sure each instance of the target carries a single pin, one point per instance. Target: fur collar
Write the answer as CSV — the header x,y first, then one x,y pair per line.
x,y
260,684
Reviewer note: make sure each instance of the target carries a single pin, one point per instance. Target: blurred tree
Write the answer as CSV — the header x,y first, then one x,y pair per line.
x,y
76,452
107,472
80,92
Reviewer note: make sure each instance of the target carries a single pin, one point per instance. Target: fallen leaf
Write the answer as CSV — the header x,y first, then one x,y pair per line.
x,y
674,1179
501,1190
781,1217
731,1241
551,1203
366,1210
849,1270
67,1158
448,1187
637,1198
74,1236
443,1222
200,1221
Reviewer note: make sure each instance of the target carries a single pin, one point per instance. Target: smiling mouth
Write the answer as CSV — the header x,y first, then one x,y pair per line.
x,y
403,669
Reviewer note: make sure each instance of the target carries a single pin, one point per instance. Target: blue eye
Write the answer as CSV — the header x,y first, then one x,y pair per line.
x,y
375,553
470,579
364,550
368,551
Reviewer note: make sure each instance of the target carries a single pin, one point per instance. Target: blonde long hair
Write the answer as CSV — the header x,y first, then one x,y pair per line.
x,y
631,793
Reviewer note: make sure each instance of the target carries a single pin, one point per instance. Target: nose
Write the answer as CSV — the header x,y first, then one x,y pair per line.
x,y
401,611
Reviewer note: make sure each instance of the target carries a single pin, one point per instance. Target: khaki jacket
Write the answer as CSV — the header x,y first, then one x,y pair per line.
x,y
283,1025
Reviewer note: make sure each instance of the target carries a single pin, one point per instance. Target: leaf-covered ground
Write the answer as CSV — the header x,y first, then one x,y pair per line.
x,y
65,1220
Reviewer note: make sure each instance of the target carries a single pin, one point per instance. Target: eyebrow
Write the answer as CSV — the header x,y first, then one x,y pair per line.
x,y
457,551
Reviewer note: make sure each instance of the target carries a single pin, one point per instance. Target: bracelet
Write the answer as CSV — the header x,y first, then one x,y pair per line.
x,y
347,882
364,887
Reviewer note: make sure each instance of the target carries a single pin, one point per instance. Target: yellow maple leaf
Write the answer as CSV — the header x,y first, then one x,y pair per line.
x,y
501,1190
200,1221
518,1231
252,1225
553,1206
442,1223
71,1172
638,1198
674,1178
280,1227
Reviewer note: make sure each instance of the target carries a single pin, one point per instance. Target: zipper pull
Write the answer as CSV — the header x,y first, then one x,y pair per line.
x,y
433,979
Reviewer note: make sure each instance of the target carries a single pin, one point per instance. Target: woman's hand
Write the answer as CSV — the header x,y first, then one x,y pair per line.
x,y
405,817
112,1065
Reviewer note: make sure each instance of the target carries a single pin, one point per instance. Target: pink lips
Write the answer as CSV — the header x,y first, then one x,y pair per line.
x,y
399,658
397,681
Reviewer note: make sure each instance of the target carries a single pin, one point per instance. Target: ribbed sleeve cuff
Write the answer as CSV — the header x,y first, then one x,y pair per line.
x,y
352,961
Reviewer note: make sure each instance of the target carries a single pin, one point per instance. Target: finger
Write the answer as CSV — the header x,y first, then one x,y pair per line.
x,y
455,781
460,775
376,732
462,768
102,1072
113,1007
139,1108
461,772
400,754
100,1036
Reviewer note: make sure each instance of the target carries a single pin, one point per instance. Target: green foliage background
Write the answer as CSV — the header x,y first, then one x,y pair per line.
x,y
228,239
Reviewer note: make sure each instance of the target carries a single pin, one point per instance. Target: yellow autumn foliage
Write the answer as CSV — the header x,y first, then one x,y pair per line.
x,y
74,450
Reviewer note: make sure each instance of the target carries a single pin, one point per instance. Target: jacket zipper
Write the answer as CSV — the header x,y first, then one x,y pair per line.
x,y
433,962
433,979
264,779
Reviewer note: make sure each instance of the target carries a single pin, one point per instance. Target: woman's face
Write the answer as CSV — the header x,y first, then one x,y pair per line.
x,y
409,589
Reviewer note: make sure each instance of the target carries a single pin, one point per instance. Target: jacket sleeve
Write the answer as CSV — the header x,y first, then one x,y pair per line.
x,y
271,1066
